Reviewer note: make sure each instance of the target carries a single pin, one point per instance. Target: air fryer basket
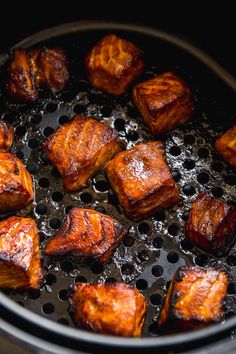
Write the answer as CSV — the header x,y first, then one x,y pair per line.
x,y
156,247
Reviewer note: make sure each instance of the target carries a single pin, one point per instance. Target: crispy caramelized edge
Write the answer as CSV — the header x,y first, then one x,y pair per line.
x,y
7,134
222,147
132,210
70,180
210,243
25,187
151,115
169,321
31,277
120,229
20,69
130,71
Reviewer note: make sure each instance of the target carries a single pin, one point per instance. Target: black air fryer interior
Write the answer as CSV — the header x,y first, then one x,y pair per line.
x,y
156,247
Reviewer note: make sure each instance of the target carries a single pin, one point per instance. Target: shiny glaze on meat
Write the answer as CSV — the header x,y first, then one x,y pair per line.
x,y
164,102
113,64
6,135
116,309
80,148
21,84
226,146
87,234
20,265
30,70
211,224
142,180
16,187
194,299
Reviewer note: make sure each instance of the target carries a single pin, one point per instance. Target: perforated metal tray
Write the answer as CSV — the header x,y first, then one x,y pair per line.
x,y
156,247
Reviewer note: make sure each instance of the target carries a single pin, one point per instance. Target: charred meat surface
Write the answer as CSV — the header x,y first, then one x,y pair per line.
x,y
142,180
164,102
80,148
20,265
52,68
116,309
21,83
113,64
226,146
87,234
194,299
30,70
211,224
6,135
16,186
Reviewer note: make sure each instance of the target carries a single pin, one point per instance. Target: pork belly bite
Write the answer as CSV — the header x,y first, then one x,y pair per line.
x,y
211,224
30,70
6,135
16,187
20,266
142,180
87,234
226,146
164,102
194,299
113,64
116,309
80,148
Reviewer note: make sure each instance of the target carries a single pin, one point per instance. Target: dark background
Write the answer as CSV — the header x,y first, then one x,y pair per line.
x,y
205,24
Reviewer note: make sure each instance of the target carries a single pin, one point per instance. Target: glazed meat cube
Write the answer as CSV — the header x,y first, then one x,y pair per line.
x,y
20,266
87,234
194,299
113,64
164,102
21,84
80,148
6,136
16,187
116,309
226,146
39,67
142,180
50,68
211,224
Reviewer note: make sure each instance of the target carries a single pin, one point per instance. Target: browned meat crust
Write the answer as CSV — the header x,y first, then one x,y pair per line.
x,y
16,187
164,102
20,266
116,309
39,67
226,146
6,135
194,299
113,64
142,180
211,224
87,234
80,148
